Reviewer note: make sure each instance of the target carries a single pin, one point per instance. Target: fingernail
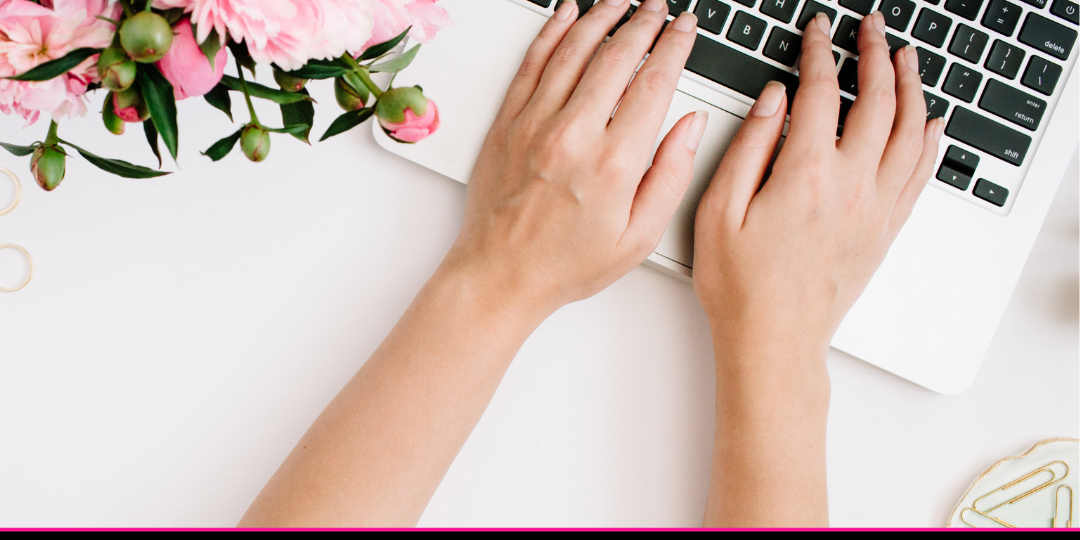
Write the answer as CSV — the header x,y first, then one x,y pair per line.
x,y
685,22
879,21
769,100
565,10
696,129
939,129
615,3
823,23
912,57
653,5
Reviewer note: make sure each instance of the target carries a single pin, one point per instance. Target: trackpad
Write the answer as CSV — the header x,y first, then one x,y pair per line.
x,y
678,241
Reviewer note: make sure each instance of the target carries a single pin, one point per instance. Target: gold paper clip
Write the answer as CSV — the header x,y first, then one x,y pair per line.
x,y
999,520
1045,468
1057,497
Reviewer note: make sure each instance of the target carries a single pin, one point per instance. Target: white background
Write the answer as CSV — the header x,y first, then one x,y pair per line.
x,y
180,334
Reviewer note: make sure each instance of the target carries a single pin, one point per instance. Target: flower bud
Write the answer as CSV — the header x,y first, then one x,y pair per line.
x,y
255,142
146,36
287,82
406,115
113,123
48,167
115,69
130,106
348,97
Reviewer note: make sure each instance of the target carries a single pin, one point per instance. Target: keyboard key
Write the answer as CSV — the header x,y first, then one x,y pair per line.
x,y
1018,107
957,179
811,9
1047,36
930,66
848,78
583,6
846,34
736,70
1001,16
968,9
1005,59
962,82
711,15
987,135
676,7
542,3
1041,75
968,43
845,108
746,30
862,7
961,160
1036,3
836,57
932,27
1066,10
895,43
783,46
897,13
935,107
747,3
781,10
990,192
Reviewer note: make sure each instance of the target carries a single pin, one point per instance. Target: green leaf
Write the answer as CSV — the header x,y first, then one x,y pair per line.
x,y
117,166
222,148
291,130
395,65
211,46
299,113
152,138
320,69
18,150
380,49
241,54
219,98
55,68
346,122
265,92
158,94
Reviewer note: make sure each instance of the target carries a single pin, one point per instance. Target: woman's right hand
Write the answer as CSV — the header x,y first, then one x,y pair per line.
x,y
785,263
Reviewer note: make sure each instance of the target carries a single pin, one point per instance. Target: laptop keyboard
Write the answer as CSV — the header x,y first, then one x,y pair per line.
x,y
993,68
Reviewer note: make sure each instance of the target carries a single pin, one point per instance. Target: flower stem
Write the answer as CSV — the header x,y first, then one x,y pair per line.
x,y
247,97
126,4
51,139
363,74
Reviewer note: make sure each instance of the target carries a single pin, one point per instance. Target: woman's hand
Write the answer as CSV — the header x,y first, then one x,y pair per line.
x,y
563,201
791,258
777,268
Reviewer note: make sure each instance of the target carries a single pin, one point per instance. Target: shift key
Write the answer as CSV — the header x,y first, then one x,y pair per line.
x,y
1013,105
989,136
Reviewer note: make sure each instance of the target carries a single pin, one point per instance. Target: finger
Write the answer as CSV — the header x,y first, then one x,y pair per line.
x,y
662,188
906,140
568,61
919,177
816,108
866,130
643,109
606,78
532,66
747,157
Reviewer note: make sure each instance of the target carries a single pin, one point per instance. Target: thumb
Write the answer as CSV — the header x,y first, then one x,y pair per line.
x,y
662,188
740,172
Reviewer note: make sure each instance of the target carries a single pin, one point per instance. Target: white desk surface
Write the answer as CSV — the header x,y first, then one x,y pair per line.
x,y
180,334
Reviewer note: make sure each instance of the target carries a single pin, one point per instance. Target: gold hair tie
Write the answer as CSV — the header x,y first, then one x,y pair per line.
x,y
18,191
29,274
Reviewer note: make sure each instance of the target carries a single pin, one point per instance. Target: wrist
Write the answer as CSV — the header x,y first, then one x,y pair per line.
x,y
770,355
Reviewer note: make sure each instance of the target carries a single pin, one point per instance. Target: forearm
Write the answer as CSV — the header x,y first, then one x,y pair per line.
x,y
768,467
377,453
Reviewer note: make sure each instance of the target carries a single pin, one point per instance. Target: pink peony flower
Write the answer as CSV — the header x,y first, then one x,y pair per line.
x,y
413,128
287,32
32,34
392,17
186,67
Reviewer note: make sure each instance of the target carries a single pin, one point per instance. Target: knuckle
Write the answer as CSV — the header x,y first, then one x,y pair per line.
x,y
618,51
652,80
566,52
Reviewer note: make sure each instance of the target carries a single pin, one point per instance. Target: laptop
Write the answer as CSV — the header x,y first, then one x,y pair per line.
x,y
1000,73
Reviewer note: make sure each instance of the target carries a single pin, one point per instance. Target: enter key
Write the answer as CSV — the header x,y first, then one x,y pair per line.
x,y
1013,105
